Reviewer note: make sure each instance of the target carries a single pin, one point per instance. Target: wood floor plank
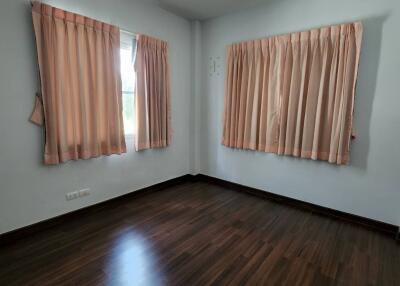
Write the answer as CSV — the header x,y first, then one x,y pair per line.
x,y
198,233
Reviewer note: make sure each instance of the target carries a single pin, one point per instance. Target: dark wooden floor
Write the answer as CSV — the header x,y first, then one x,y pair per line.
x,y
202,234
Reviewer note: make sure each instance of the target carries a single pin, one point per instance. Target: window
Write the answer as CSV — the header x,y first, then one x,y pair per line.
x,y
128,78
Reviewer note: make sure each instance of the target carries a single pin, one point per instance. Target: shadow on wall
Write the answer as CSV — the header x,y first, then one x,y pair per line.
x,y
366,88
26,7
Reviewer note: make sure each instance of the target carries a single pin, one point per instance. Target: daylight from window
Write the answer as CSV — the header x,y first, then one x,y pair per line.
x,y
128,88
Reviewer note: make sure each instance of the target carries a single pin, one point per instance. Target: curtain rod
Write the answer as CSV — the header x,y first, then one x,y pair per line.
x,y
30,3
298,31
128,32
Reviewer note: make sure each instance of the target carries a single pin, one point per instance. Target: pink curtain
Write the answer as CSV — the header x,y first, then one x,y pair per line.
x,y
153,114
294,94
80,103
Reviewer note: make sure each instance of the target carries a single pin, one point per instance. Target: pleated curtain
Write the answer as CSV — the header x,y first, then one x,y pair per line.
x,y
294,94
81,101
152,99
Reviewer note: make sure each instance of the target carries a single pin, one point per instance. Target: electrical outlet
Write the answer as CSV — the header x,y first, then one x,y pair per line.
x,y
77,194
84,192
71,196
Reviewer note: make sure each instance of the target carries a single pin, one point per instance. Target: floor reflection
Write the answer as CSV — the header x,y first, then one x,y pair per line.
x,y
132,262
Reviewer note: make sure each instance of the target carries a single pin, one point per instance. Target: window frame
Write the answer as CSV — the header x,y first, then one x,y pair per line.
x,y
126,42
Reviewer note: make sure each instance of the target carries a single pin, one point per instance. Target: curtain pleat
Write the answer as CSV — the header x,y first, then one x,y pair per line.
x,y
153,114
294,94
80,84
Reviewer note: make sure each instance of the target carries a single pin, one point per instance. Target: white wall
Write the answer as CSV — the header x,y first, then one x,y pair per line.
x,y
370,185
29,191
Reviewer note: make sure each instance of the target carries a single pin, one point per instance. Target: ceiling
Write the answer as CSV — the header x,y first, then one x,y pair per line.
x,y
205,9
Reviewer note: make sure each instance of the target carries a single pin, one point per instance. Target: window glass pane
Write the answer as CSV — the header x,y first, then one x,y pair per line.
x,y
128,88
128,110
127,70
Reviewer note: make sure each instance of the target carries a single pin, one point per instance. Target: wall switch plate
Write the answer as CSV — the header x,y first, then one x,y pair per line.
x,y
214,65
77,194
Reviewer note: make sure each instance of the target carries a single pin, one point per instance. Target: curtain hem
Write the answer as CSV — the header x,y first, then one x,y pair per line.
x,y
151,145
330,157
63,157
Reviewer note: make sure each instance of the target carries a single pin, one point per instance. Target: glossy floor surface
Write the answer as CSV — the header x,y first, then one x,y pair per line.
x,y
201,234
